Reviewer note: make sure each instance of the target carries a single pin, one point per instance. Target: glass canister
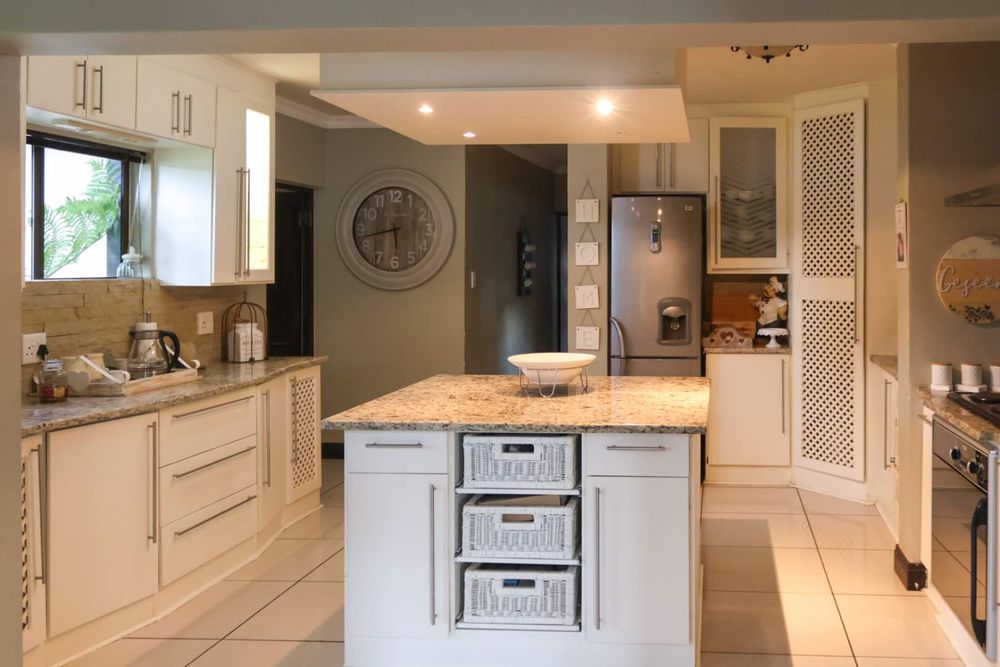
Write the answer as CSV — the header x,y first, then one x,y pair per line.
x,y
52,382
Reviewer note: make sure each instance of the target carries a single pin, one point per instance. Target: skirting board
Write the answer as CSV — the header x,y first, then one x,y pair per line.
x,y
749,475
966,648
847,489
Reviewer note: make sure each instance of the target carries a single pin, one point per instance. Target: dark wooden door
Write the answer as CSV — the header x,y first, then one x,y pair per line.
x,y
290,297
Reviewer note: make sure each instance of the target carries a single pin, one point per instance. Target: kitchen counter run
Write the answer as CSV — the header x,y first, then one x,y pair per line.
x,y
218,378
887,362
782,349
496,403
948,410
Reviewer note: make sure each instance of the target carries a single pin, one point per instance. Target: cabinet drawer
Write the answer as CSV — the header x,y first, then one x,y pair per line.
x,y
199,537
396,451
636,454
193,428
203,479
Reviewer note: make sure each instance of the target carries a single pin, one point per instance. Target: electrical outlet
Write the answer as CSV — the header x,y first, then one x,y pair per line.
x,y
206,323
29,347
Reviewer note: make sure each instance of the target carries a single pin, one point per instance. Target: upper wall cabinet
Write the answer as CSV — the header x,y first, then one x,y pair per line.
x,y
100,88
174,105
748,217
663,167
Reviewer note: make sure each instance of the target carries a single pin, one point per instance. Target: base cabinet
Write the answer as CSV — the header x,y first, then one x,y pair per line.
x,y
273,427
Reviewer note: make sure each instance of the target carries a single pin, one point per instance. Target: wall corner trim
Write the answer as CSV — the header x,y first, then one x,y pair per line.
x,y
327,121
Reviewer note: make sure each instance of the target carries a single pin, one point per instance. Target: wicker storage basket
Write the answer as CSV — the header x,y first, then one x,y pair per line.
x,y
531,595
519,462
510,528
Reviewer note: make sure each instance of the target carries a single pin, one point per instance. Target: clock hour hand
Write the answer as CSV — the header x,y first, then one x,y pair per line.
x,y
384,231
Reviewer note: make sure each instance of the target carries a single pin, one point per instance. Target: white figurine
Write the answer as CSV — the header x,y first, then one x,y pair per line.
x,y
772,308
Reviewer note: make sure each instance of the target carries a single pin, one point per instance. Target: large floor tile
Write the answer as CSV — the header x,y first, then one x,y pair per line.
x,y
756,530
761,660
145,653
817,503
249,653
331,570
779,623
214,613
308,611
334,497
893,626
288,560
326,523
851,532
763,569
750,500
907,662
333,473
862,572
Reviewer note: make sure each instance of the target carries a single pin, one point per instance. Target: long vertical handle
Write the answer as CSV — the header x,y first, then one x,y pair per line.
x,y
979,517
857,301
885,424
597,557
238,261
246,257
187,114
152,532
659,165
82,104
175,111
717,227
433,564
783,394
267,438
99,107
617,326
673,166
294,425
35,513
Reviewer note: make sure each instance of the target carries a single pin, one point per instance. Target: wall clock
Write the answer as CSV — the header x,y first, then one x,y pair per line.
x,y
395,229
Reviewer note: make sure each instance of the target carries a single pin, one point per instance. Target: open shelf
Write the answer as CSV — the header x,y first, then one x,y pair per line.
x,y
463,625
464,490
527,560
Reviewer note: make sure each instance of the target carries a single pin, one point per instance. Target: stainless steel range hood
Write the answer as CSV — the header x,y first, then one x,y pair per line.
x,y
984,196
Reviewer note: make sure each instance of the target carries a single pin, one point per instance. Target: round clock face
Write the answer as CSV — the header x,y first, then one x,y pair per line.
x,y
394,229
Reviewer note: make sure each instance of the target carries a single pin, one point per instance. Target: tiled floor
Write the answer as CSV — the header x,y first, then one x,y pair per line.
x,y
284,609
798,579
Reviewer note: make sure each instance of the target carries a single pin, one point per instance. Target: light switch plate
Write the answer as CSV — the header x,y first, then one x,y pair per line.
x,y
587,297
206,323
588,210
29,347
588,338
587,253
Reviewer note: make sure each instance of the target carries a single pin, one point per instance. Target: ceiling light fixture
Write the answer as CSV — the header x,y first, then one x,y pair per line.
x,y
605,106
767,53
469,134
426,109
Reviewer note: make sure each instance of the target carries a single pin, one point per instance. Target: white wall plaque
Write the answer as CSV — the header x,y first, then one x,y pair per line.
x,y
968,280
588,253
588,338
587,297
588,210
902,238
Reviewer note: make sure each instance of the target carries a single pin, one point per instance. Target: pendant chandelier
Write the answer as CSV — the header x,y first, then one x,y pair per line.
x,y
767,53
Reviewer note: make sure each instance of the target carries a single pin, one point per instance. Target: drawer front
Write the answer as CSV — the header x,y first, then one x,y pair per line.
x,y
396,451
193,428
636,454
200,480
199,537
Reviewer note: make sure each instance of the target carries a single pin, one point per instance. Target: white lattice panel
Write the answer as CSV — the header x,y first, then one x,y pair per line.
x,y
25,554
304,467
828,287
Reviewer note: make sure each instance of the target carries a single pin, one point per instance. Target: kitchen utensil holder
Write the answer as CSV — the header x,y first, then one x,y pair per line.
x,y
546,389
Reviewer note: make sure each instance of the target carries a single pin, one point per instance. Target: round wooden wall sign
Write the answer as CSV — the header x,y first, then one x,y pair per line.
x,y
968,280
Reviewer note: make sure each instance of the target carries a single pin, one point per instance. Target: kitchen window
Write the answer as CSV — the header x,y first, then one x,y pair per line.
x,y
79,201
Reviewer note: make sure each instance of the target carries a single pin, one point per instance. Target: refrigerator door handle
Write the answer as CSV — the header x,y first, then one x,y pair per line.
x,y
617,326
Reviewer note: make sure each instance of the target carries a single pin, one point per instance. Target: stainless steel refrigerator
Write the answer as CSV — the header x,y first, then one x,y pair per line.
x,y
656,285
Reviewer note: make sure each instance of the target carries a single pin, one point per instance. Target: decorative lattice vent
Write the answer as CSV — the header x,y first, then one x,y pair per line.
x,y
828,382
828,196
305,443
25,554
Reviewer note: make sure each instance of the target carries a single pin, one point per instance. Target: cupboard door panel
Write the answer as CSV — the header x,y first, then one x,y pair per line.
x,y
111,90
158,93
305,469
274,432
58,84
689,162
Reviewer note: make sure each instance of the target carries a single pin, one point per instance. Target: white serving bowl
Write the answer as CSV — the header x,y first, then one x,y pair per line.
x,y
552,368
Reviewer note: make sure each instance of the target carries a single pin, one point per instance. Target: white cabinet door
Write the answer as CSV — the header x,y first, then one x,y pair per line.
x,y
111,90
748,417
272,446
58,84
688,165
637,586
33,575
102,522
198,107
397,557
174,105
639,167
681,167
305,470
748,200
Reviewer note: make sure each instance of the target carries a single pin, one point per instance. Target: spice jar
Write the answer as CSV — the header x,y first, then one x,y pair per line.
x,y
52,382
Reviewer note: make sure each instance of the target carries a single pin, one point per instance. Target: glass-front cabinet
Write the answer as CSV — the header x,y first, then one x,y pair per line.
x,y
748,199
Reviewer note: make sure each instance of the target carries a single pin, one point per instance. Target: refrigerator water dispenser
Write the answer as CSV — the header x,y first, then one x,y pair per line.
x,y
675,321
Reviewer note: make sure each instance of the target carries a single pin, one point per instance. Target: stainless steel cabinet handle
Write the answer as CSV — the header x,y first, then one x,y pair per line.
x,y
659,165
717,227
212,408
394,445
99,108
433,577
153,475
267,436
238,262
885,424
35,509
82,104
673,166
857,301
187,473
782,397
175,111
181,533
636,448
597,557
246,257
187,115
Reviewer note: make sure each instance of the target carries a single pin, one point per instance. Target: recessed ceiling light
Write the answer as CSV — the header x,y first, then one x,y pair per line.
x,y
605,106
426,109
469,134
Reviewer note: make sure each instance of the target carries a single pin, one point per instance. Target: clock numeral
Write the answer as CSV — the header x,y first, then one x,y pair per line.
x,y
422,215
378,256
378,200
411,258
394,262
423,246
428,229
369,214
366,245
360,229
395,196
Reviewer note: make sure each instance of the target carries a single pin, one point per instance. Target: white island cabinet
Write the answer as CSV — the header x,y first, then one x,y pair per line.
x,y
635,598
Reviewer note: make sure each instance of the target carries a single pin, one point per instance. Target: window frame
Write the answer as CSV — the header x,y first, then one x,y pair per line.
x,y
39,141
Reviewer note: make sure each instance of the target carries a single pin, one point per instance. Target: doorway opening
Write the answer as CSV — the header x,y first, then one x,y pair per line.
x,y
290,297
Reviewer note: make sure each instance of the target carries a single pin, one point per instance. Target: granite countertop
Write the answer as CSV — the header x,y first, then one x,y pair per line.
x,y
887,362
216,379
948,410
496,403
783,349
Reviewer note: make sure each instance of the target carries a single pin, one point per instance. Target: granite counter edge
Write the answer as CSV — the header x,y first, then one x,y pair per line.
x,y
481,427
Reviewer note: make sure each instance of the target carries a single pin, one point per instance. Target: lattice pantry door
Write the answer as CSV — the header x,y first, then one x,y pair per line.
x,y
304,465
828,221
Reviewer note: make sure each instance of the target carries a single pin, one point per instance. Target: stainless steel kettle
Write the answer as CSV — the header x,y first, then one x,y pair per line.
x,y
149,355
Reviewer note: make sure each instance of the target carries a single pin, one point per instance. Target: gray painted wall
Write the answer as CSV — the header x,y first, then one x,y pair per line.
x,y
299,152
505,194
379,341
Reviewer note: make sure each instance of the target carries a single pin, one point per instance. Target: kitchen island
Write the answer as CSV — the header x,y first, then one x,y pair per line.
x,y
634,596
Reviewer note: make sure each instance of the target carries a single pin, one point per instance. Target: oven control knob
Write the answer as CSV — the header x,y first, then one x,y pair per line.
x,y
972,467
956,454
